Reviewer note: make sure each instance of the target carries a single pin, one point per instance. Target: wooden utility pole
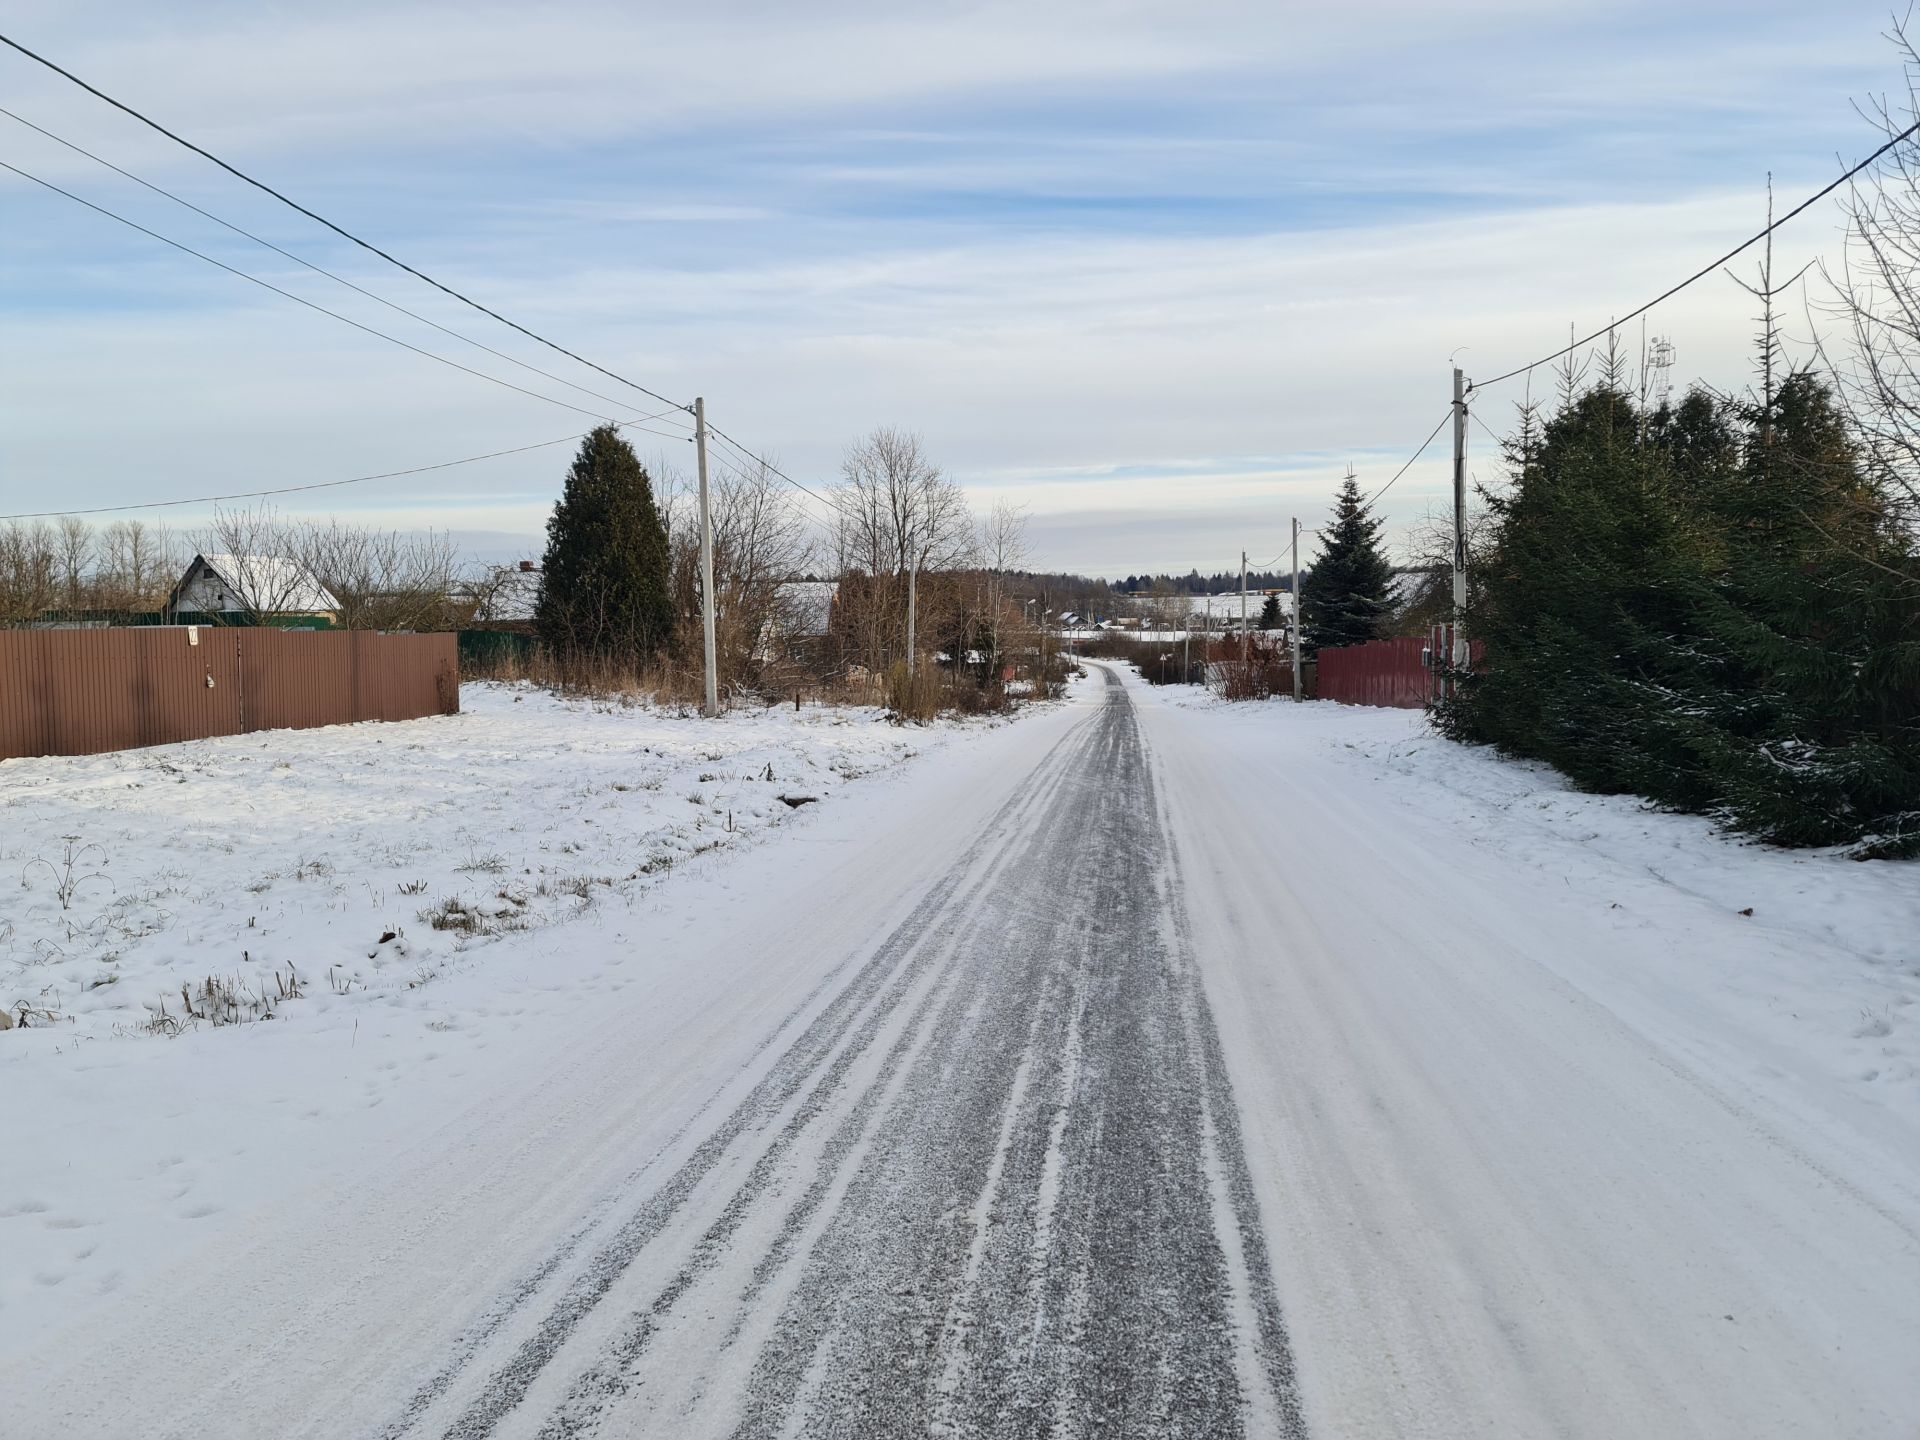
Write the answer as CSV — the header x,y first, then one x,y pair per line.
x,y
712,706
1295,626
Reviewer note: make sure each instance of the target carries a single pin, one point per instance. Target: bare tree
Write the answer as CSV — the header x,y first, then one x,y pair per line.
x,y
254,553
1875,289
137,566
1003,538
74,553
896,516
28,570
498,594
1001,548
760,542
381,579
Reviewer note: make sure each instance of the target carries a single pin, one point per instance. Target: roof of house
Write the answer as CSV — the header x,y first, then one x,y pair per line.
x,y
806,606
516,598
1229,605
266,582
1411,586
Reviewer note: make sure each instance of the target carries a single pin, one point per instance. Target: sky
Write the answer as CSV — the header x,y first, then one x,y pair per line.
x,y
1158,273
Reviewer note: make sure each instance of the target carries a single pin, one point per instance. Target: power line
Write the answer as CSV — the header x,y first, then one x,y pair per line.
x,y
317,269
321,219
1484,426
1702,273
299,299
1414,457
713,430
321,485
719,434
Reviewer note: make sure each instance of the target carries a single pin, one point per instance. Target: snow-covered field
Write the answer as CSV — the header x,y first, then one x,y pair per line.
x,y
363,861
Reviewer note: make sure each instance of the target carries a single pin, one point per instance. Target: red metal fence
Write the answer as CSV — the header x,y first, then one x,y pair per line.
x,y
1407,672
78,692
1381,672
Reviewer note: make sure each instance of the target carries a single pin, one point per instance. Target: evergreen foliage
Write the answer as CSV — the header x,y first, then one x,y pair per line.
x,y
605,582
1818,613
1270,613
1347,597
1709,606
1220,582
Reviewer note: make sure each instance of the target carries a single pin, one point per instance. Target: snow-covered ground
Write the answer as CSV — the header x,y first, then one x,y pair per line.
x,y
1515,1123
1811,952
415,892
364,860
1552,1137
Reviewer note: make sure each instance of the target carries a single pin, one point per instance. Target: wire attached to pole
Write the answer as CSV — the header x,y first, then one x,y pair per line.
x,y
1703,272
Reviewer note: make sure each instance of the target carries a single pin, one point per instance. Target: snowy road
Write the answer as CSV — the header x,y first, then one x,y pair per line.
x,y
1114,1082
994,1187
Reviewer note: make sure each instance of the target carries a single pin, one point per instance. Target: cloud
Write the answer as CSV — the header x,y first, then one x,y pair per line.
x,y
1161,270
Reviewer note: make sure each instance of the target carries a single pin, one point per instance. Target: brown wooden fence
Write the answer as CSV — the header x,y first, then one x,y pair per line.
x,y
78,692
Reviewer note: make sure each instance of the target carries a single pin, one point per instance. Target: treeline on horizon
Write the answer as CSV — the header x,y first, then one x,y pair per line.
x,y
1220,582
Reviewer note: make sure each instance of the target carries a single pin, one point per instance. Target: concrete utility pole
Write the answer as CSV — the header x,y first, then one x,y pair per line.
x,y
1295,626
1243,607
913,611
712,706
1460,651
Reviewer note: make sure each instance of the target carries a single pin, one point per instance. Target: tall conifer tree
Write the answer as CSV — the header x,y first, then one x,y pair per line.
x,y
1348,594
605,582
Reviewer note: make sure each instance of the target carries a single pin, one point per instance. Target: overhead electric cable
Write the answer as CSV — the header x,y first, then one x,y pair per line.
x,y
1485,427
1411,459
300,299
722,435
1702,273
322,220
296,489
317,269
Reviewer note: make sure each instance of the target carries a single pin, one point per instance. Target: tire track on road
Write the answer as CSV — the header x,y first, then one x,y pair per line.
x,y
994,1187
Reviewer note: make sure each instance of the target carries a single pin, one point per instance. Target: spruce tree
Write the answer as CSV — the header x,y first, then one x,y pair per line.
x,y
1347,595
1713,607
1586,608
1270,613
1821,627
605,582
